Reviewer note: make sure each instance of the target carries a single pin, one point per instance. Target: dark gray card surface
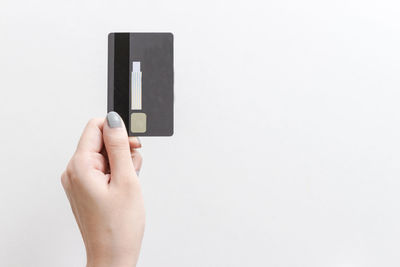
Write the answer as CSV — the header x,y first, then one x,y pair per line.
x,y
141,82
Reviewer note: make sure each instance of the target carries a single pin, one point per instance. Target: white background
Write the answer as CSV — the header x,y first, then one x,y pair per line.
x,y
287,126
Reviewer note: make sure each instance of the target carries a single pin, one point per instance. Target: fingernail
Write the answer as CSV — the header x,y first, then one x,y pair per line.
x,y
137,172
114,120
139,140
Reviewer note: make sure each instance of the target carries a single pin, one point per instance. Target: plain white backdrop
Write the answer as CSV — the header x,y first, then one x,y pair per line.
x,y
287,122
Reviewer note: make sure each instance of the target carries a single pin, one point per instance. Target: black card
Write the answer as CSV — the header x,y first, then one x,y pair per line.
x,y
141,82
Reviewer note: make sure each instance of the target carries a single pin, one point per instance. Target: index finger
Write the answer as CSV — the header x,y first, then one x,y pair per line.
x,y
92,137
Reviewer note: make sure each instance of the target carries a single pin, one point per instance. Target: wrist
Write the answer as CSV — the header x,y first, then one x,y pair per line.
x,y
107,259
104,262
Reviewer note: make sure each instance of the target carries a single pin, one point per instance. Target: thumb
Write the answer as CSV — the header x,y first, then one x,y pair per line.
x,y
117,146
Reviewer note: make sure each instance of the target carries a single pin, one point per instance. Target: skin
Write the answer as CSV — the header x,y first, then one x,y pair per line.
x,y
105,195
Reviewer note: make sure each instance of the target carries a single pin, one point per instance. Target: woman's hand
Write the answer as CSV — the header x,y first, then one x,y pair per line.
x,y
103,189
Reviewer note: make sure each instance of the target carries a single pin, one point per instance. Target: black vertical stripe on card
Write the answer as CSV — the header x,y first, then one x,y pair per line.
x,y
121,76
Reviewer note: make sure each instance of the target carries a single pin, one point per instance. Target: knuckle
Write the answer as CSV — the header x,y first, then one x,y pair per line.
x,y
92,121
131,184
124,182
64,180
73,168
69,170
118,143
77,160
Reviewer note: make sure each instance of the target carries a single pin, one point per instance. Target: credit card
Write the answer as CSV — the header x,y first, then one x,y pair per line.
x,y
141,81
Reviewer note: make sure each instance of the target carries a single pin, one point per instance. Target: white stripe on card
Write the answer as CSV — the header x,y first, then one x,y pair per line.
x,y
136,86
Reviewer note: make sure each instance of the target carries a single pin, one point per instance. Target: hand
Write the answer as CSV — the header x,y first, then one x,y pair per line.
x,y
103,189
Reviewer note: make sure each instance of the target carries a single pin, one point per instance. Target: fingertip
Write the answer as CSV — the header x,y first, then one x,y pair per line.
x,y
137,160
114,125
134,142
114,120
